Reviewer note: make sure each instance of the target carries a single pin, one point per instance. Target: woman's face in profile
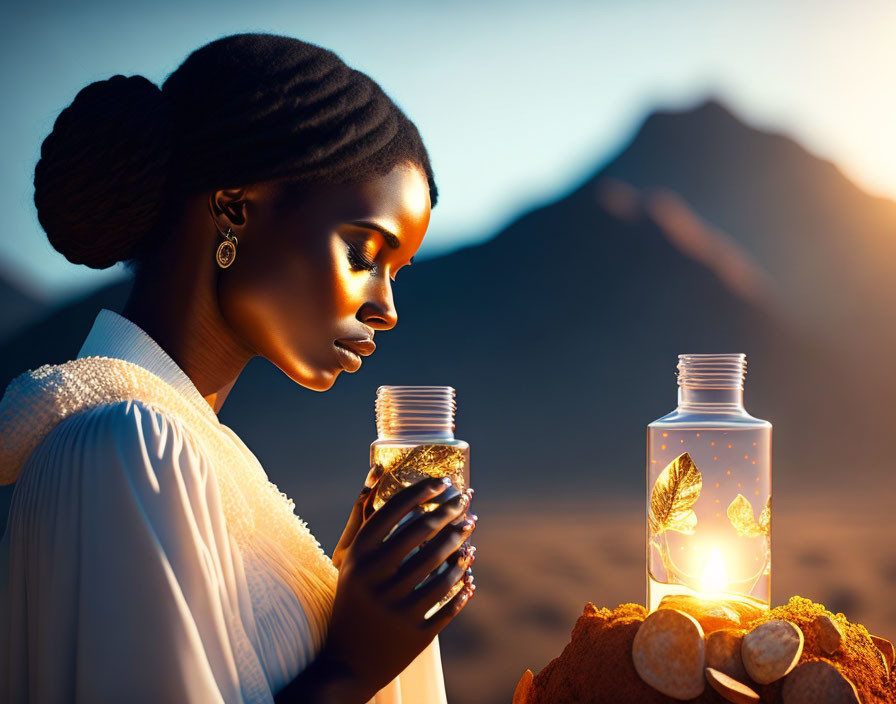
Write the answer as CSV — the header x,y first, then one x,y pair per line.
x,y
312,279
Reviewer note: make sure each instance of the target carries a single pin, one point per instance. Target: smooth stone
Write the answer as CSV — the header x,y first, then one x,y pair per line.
x,y
818,682
723,653
730,689
668,654
887,650
711,615
771,650
523,688
828,633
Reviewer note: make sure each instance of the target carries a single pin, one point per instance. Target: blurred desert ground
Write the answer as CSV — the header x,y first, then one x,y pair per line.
x,y
561,335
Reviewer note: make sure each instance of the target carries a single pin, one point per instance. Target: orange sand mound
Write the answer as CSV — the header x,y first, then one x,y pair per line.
x,y
596,666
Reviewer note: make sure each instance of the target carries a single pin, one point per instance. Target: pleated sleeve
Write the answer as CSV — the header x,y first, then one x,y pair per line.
x,y
121,570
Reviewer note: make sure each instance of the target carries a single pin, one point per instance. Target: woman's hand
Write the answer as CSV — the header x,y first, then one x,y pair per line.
x,y
361,511
377,625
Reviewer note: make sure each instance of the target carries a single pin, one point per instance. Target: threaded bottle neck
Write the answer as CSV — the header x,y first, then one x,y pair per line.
x,y
711,380
415,413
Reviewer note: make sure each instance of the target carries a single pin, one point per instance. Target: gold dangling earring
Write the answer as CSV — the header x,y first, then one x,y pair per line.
x,y
226,253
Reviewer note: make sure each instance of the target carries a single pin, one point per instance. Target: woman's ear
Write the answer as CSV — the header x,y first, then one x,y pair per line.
x,y
228,208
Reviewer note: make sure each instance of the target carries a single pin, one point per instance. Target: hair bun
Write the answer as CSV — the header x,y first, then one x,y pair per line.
x,y
100,181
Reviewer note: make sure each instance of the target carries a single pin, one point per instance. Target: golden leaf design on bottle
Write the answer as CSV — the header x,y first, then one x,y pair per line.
x,y
765,518
740,513
403,467
432,461
675,491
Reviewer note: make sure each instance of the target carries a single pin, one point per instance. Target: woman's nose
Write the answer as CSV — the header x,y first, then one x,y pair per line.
x,y
379,310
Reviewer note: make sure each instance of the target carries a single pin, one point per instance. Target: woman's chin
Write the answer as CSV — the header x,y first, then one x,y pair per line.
x,y
321,381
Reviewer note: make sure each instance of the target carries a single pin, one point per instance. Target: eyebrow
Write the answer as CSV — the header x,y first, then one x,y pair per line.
x,y
390,237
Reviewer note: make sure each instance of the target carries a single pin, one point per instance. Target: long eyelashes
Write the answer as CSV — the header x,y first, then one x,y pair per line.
x,y
359,260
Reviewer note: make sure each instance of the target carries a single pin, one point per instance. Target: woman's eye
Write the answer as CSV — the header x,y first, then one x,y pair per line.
x,y
359,260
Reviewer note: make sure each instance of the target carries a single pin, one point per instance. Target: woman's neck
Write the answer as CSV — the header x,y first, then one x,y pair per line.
x,y
192,336
174,303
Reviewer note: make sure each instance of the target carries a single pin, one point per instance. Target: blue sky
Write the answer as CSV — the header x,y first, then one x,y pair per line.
x,y
516,101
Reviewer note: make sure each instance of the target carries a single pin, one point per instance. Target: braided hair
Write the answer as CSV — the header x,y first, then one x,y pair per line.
x,y
242,109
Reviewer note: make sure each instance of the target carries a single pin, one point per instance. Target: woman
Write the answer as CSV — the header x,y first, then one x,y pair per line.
x,y
265,197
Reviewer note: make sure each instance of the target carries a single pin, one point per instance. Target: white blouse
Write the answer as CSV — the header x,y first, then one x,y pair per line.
x,y
121,581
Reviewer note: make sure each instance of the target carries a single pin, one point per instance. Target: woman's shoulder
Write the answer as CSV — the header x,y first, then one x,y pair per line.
x,y
126,466
132,439
117,423
92,395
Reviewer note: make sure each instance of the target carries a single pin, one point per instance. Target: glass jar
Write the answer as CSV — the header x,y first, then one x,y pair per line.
x,y
415,440
709,490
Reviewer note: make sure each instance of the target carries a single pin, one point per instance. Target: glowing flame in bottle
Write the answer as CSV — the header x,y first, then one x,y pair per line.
x,y
714,577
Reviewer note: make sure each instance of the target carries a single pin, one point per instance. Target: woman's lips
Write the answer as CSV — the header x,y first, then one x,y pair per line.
x,y
361,346
350,352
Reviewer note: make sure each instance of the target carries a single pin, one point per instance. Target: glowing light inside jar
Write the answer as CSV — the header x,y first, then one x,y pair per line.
x,y
714,577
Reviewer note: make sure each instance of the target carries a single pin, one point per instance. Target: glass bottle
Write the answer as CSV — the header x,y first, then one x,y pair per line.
x,y
709,489
415,440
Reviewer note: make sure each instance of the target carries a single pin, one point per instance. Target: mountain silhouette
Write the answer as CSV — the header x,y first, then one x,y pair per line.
x,y
829,246
561,334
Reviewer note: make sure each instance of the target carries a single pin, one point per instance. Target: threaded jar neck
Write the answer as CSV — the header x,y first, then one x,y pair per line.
x,y
415,412
711,379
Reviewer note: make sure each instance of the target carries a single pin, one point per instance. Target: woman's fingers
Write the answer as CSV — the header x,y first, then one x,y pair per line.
x,y
422,528
432,591
420,600
443,616
426,560
355,520
368,504
374,475
377,527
